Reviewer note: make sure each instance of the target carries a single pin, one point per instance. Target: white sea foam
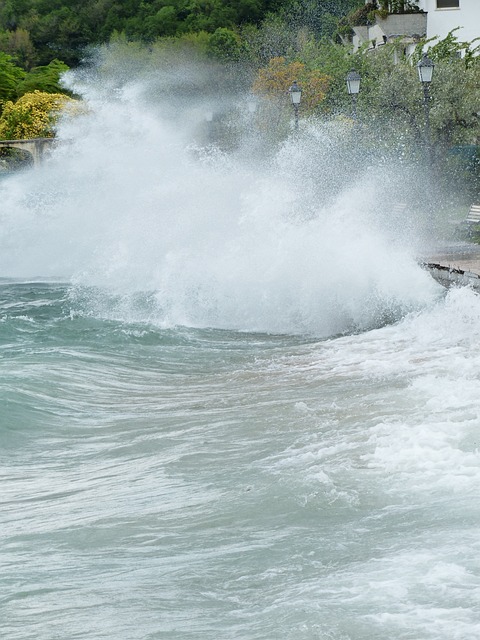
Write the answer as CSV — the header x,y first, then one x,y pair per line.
x,y
258,486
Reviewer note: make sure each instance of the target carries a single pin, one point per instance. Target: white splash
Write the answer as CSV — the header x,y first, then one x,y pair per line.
x,y
133,200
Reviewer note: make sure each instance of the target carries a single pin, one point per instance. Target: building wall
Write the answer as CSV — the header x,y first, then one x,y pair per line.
x,y
409,27
441,21
400,25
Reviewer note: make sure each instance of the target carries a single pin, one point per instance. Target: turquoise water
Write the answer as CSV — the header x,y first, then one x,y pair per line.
x,y
232,405
186,483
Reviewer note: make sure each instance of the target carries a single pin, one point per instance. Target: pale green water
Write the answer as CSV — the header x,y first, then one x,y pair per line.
x,y
180,483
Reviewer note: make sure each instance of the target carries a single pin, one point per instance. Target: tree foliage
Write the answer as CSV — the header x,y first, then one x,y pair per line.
x,y
66,27
45,78
15,81
321,18
274,81
17,43
392,95
35,31
225,44
10,76
391,107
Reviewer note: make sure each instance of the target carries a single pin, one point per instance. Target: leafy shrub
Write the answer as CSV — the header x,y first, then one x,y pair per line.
x,y
46,79
34,115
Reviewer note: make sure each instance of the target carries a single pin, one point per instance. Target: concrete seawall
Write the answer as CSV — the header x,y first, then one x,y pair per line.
x,y
455,265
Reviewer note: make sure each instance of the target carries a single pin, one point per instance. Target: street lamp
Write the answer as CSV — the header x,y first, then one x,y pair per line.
x,y
425,69
295,96
353,88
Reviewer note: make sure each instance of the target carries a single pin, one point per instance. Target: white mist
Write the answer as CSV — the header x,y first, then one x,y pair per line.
x,y
133,199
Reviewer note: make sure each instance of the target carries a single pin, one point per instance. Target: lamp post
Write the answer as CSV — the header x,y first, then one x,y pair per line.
x,y
425,69
295,96
353,88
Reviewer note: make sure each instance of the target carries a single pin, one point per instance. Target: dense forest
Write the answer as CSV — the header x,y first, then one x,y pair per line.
x,y
35,32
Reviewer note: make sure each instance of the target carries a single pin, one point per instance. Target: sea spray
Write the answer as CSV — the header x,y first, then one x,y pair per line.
x,y
134,198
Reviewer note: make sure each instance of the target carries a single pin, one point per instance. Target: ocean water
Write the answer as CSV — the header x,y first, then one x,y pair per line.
x,y
232,404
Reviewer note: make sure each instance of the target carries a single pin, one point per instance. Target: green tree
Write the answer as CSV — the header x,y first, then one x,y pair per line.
x,y
46,79
225,44
322,18
10,76
61,32
18,44
391,96
274,38
163,23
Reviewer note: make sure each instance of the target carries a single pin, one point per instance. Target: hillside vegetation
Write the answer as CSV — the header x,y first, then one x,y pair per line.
x,y
35,32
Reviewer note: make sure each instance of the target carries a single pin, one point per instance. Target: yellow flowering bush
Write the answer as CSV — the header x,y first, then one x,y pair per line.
x,y
34,115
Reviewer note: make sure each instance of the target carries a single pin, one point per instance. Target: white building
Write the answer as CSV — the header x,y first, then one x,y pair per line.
x,y
435,20
445,15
